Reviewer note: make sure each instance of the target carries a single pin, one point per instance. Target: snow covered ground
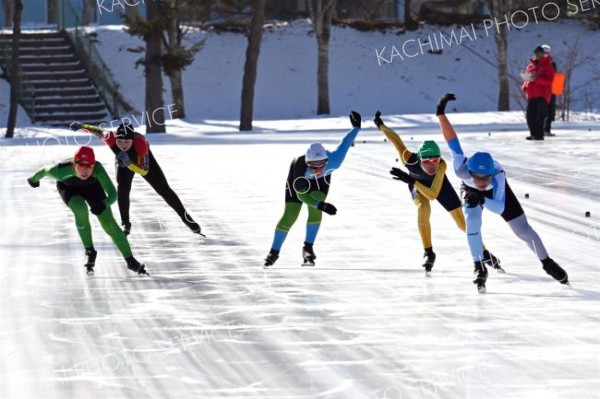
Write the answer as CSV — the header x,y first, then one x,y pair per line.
x,y
286,85
365,323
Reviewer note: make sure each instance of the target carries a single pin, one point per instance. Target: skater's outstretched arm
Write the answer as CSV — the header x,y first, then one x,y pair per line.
x,y
445,125
392,136
91,129
459,160
57,172
336,158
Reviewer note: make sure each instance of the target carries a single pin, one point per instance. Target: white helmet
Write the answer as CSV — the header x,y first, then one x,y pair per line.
x,y
547,48
316,152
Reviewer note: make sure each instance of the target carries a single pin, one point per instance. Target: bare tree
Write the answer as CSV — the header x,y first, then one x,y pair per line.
x,y
131,12
89,7
155,121
176,56
498,8
373,9
409,22
576,59
14,70
9,10
251,64
321,14
52,12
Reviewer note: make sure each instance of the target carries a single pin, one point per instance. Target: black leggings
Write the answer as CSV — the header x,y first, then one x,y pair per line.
x,y
156,178
537,110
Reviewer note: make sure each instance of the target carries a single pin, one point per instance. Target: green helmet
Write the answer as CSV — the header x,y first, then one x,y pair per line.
x,y
429,149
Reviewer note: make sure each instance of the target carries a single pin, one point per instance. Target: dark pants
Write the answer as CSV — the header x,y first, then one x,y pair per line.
x,y
537,110
551,115
158,181
93,194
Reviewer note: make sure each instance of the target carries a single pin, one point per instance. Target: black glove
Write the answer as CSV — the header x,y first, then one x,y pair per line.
x,y
377,120
474,198
75,126
355,119
327,208
401,175
32,183
441,105
98,208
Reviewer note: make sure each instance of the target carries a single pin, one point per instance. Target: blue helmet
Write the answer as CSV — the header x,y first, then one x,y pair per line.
x,y
482,163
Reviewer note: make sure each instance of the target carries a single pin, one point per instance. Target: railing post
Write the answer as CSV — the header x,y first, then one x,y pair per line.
x,y
61,11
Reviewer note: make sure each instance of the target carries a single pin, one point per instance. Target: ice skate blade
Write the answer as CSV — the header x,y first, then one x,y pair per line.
x,y
427,273
308,264
500,270
481,289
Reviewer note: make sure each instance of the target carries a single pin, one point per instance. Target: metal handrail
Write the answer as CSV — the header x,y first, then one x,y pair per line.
x,y
97,68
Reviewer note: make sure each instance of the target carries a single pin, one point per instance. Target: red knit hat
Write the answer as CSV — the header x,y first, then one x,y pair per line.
x,y
85,155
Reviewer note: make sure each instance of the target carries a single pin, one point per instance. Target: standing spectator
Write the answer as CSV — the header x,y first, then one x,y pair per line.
x,y
552,106
538,90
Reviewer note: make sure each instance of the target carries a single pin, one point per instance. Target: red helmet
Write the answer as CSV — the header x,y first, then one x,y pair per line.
x,y
85,155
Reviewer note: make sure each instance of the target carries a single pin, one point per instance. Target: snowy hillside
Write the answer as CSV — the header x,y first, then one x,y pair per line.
x,y
286,85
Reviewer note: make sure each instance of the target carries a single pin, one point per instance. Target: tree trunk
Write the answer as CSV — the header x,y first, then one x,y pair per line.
x,y
178,111
498,8
373,9
321,14
88,11
251,64
155,111
175,75
409,22
504,87
323,76
52,12
9,10
131,12
14,70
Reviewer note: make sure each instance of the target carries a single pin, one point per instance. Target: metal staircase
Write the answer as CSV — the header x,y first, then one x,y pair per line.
x,y
56,88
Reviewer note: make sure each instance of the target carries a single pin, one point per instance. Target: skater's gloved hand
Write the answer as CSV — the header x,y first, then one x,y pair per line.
x,y
377,120
401,175
327,208
355,119
474,198
98,208
32,183
441,105
123,158
75,126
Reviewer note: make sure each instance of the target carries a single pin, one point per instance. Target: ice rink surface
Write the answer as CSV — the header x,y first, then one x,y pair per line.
x,y
365,323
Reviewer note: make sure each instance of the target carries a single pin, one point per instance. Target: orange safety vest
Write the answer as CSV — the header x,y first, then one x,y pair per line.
x,y
558,84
